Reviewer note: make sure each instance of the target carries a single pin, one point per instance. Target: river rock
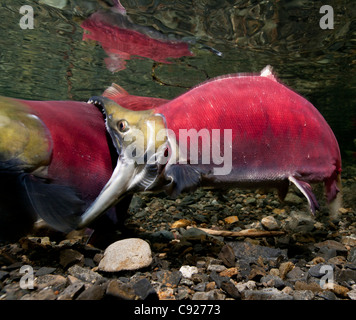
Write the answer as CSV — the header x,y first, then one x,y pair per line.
x,y
42,271
270,223
352,294
3,275
249,285
299,221
245,251
352,255
95,292
122,291
136,204
273,281
293,199
312,286
216,267
349,240
144,290
320,270
332,245
347,275
231,290
227,256
188,271
84,274
337,289
210,295
72,291
229,272
296,274
44,294
69,257
266,294
128,254
168,278
327,295
303,295
50,280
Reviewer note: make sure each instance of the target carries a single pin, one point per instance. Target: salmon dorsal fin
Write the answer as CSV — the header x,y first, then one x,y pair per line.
x,y
267,72
115,91
118,7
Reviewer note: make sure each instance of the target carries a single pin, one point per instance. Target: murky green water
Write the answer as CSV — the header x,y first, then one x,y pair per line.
x,y
52,62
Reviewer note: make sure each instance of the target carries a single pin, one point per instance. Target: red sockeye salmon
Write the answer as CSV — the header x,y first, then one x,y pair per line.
x,y
240,130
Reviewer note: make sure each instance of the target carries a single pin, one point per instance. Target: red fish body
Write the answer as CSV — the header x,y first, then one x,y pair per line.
x,y
276,133
62,171
233,131
54,160
122,39
80,153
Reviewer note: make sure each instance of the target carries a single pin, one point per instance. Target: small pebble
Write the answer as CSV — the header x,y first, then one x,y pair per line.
x,y
188,271
337,289
216,267
284,268
303,295
270,223
84,274
352,294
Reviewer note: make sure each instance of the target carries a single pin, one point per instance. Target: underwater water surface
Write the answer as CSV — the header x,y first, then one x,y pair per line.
x,y
57,60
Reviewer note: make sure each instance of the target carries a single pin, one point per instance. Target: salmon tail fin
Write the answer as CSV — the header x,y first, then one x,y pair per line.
x,y
115,91
335,201
307,191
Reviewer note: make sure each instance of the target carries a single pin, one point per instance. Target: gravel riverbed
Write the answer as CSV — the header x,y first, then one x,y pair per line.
x,y
268,251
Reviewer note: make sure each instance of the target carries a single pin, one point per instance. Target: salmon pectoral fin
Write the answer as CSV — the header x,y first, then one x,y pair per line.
x,y
183,178
332,186
307,191
16,214
57,205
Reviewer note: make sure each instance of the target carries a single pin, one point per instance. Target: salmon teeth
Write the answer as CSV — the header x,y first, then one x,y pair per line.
x,y
95,102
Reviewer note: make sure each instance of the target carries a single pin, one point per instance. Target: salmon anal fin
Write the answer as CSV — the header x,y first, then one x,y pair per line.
x,y
306,189
183,177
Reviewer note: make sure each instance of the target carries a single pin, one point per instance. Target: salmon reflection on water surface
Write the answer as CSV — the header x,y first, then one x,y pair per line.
x,y
122,39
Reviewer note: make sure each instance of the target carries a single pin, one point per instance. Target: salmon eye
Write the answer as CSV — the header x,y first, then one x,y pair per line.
x,y
123,125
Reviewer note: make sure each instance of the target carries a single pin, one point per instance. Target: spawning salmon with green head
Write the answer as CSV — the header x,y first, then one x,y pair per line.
x,y
240,130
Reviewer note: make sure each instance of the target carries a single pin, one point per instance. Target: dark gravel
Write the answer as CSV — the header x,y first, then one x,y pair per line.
x,y
314,258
